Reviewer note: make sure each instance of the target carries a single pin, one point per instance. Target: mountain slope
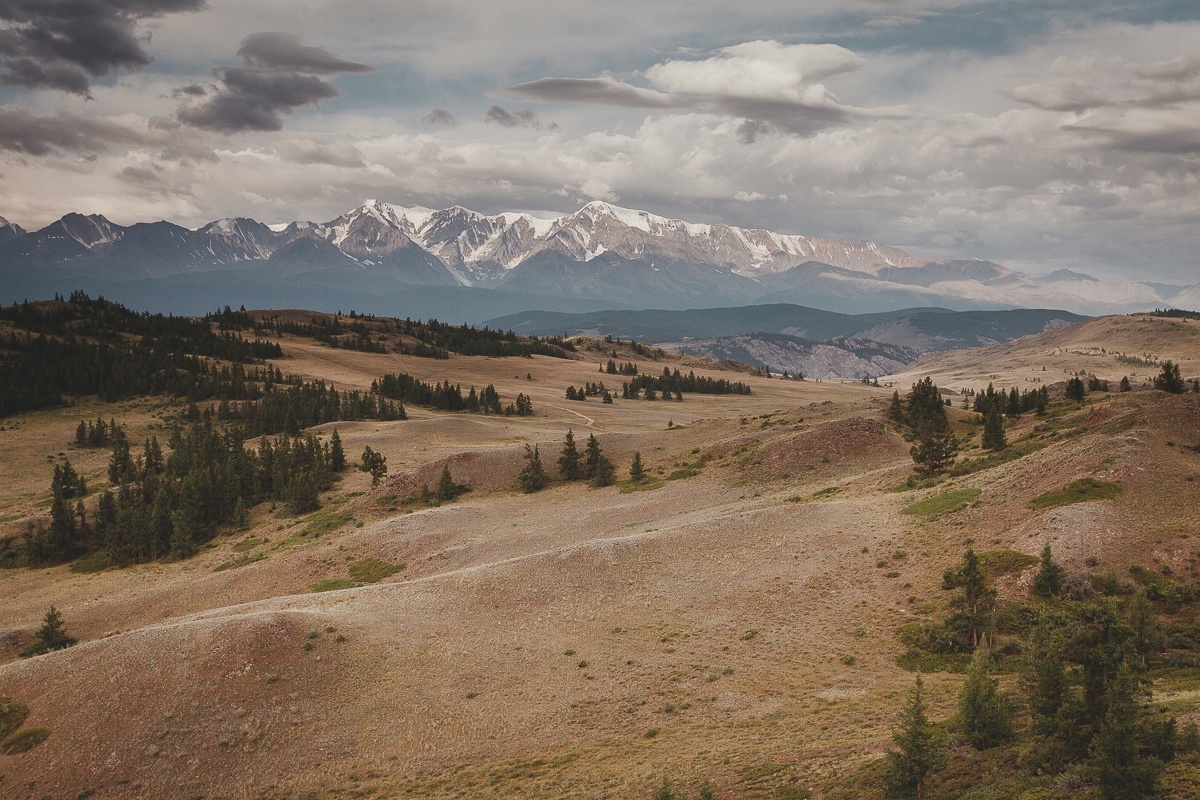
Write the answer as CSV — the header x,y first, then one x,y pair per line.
x,y
601,254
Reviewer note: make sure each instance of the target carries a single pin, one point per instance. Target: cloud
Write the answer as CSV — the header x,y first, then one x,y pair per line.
x,y
604,90
23,132
751,130
285,51
516,119
275,80
440,116
62,44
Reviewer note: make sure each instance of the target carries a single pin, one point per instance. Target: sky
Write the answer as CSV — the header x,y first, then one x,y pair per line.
x,y
1041,134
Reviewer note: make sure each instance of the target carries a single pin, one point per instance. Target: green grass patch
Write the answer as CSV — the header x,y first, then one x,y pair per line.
x,y
12,714
332,585
24,741
372,570
1081,491
327,520
944,503
649,484
995,563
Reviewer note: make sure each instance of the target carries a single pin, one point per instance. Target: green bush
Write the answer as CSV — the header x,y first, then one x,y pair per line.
x,y
12,714
24,741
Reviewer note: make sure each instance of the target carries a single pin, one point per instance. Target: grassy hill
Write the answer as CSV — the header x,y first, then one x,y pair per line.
x,y
734,619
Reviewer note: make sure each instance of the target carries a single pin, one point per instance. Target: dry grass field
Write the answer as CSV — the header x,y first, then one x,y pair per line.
x,y
733,622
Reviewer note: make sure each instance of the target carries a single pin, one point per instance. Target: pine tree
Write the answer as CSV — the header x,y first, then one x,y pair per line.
x,y
993,431
918,755
1170,379
977,599
896,410
1049,577
374,463
447,489
1120,770
591,456
337,455
51,636
532,476
1076,390
636,473
984,713
1124,387
570,463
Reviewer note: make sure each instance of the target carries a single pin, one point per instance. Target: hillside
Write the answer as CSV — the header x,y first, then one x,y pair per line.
x,y
734,619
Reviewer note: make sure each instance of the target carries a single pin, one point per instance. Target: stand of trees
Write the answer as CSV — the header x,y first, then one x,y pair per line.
x,y
1084,646
674,383
924,418
167,507
444,396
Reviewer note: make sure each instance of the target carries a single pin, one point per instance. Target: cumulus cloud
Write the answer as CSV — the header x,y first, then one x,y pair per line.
x,y
605,90
63,44
516,119
276,79
440,116
23,132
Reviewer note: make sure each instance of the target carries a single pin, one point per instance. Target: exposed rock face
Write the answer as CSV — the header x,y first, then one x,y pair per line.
x,y
833,358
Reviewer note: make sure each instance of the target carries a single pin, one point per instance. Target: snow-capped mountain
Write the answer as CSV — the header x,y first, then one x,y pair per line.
x,y
600,255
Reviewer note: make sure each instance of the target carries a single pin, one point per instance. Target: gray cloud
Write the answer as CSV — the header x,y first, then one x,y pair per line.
x,y
23,132
440,116
62,44
604,90
275,80
516,119
285,51
751,130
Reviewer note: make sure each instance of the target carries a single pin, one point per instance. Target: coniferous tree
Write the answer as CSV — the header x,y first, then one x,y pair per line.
x,y
1170,379
1049,577
1124,386
977,599
337,454
1076,390
447,489
993,431
636,473
934,445
51,636
1120,770
896,409
984,713
374,463
918,755
532,476
570,463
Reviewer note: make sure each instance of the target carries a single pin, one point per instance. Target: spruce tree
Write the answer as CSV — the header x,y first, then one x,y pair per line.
x,y
1170,379
51,636
1120,770
1049,577
1076,390
447,489
337,455
918,755
993,431
570,463
896,409
1124,387
984,713
636,473
374,463
977,598
532,476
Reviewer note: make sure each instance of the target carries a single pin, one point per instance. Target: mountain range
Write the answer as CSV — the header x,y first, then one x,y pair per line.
x,y
465,266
